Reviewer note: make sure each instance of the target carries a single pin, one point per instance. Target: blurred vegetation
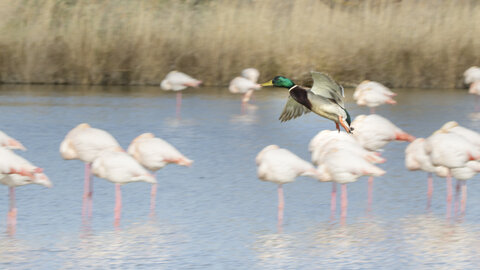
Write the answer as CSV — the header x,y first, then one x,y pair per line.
x,y
402,43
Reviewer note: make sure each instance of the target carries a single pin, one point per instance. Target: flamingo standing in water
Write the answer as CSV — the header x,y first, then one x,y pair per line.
x,y
452,151
281,166
16,171
373,94
245,84
86,143
154,153
373,132
474,138
178,81
120,168
326,141
416,158
343,166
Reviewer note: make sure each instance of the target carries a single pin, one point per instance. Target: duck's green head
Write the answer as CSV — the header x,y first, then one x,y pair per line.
x,y
280,81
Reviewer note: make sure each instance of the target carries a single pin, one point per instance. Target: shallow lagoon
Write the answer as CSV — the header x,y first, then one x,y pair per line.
x,y
217,214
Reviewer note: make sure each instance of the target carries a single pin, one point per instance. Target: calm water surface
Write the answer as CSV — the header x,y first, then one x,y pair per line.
x,y
217,214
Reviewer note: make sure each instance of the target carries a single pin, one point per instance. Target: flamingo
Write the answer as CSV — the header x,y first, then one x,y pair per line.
x,y
416,158
281,166
343,166
177,81
373,132
120,168
373,94
452,151
16,171
471,75
9,142
326,141
244,86
154,153
86,143
468,134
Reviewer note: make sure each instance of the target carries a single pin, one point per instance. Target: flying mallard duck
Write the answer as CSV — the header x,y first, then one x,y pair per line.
x,y
325,98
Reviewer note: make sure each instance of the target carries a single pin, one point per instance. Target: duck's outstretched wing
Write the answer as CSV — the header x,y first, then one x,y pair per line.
x,y
325,86
292,110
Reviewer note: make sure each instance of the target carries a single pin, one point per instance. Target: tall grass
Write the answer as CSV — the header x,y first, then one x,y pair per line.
x,y
407,43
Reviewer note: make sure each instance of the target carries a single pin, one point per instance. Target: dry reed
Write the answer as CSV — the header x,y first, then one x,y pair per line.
x,y
405,43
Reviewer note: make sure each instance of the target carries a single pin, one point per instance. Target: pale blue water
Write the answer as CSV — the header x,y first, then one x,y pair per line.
x,y
217,214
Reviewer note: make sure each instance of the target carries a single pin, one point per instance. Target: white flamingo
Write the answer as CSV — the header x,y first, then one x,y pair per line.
x,y
16,171
452,151
326,140
120,168
471,136
244,86
373,94
471,75
154,153
344,167
86,143
177,81
281,166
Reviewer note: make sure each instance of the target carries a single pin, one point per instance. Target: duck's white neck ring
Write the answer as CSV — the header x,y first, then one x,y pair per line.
x,y
292,87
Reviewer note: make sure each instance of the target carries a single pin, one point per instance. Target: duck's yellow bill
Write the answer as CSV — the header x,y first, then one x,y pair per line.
x,y
269,83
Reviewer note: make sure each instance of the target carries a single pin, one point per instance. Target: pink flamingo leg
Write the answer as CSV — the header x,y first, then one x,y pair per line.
x,y
12,213
430,190
87,191
333,200
344,201
449,194
456,199
370,192
247,96
243,107
118,204
372,110
281,205
179,103
153,196
464,197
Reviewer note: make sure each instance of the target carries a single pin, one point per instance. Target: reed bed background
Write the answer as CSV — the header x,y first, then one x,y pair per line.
x,y
406,43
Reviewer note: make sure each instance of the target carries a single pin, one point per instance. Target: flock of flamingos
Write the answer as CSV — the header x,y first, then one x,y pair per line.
x,y
337,157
